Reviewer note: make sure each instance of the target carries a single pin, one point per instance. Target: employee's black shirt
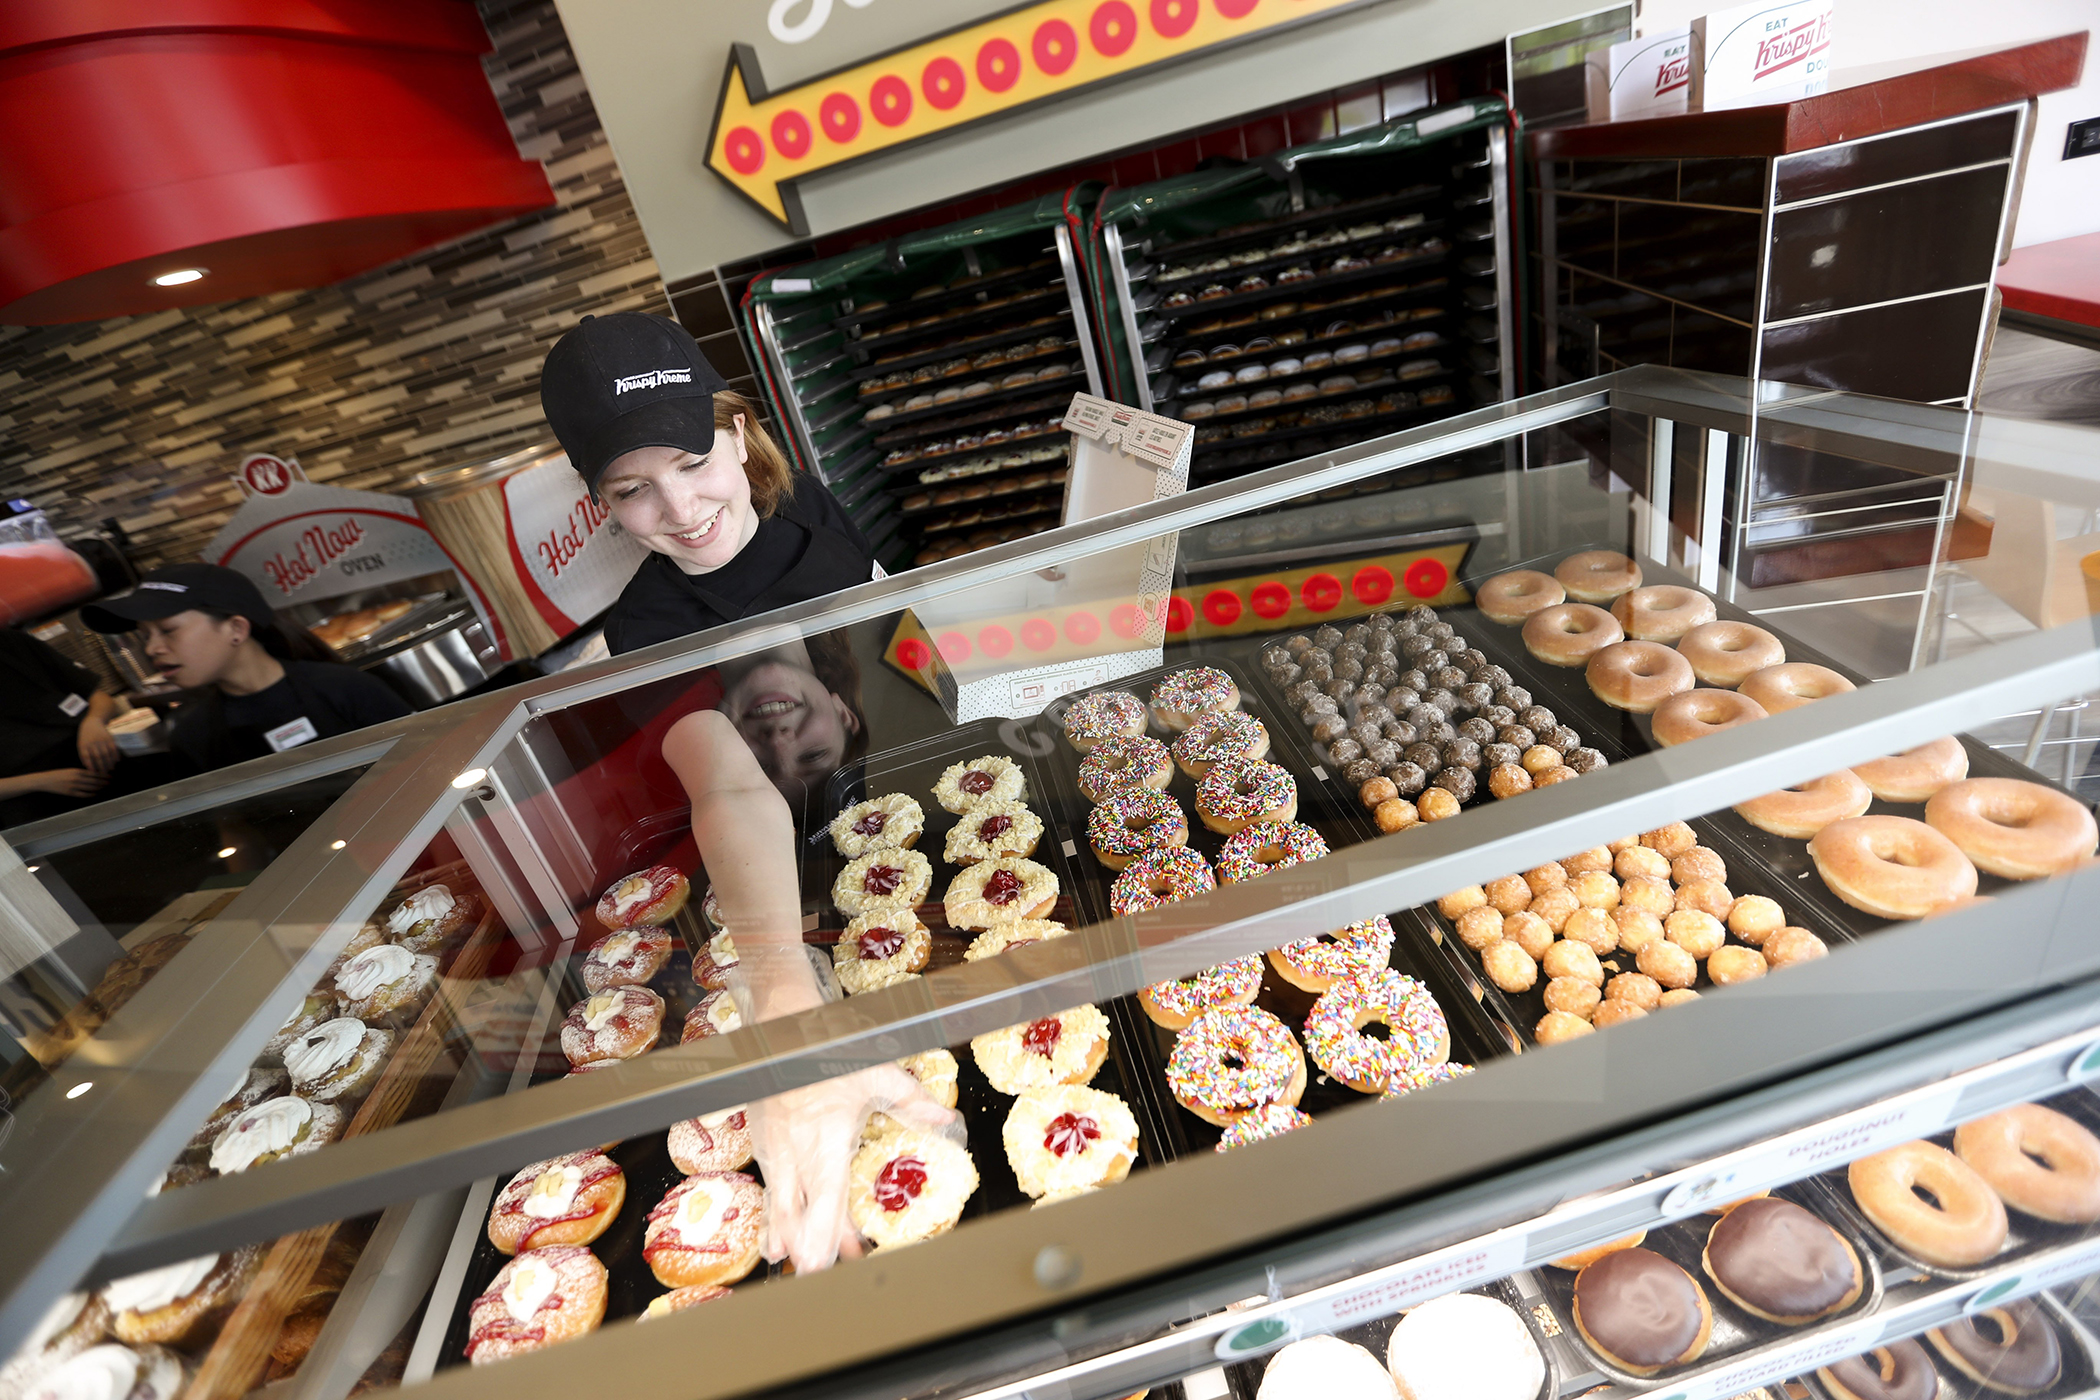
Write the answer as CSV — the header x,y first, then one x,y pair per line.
x,y
215,729
809,548
36,733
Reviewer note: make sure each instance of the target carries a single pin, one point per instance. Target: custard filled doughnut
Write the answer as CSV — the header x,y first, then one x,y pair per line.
x,y
706,1230
892,819
1773,1259
2020,830
1662,613
570,1199
992,778
1597,575
1268,1121
1510,598
877,950
1641,1312
2020,1357
1791,684
890,878
991,831
1694,714
1892,1371
1105,714
1116,763
1799,812
1966,1227
1240,791
1637,676
679,1299
1132,822
2040,1162
908,1186
713,1014
645,899
1181,699
713,963
1159,879
999,891
1214,738
1891,866
180,1303
1314,964
1068,1048
1916,774
713,1142
1725,654
626,958
1233,1060
541,1298
1175,1004
1261,847
1069,1139
616,1024
1569,634
1417,1040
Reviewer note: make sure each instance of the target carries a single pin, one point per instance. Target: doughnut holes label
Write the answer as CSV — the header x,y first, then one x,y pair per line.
x,y
1401,1286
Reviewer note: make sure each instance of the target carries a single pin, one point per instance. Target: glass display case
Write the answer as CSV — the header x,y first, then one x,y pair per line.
x,y
1476,945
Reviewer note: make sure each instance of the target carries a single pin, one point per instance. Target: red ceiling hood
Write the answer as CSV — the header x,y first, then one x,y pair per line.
x,y
271,144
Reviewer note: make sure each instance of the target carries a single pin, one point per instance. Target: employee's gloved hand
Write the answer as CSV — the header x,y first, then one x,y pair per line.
x,y
97,749
804,1141
73,782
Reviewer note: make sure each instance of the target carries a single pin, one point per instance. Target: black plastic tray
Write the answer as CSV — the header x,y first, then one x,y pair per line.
x,y
911,307
1309,286
1035,330
1254,232
1311,342
1183,389
900,333
1305,255
1177,334
1361,426
959,417
2080,1376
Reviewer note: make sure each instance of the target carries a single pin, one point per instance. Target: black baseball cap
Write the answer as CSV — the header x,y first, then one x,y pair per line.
x,y
179,588
627,380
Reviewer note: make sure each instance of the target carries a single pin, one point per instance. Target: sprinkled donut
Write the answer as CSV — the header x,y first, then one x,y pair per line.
x,y
1160,878
1597,575
1261,847
997,891
1175,1004
1067,1048
1233,1060
1132,822
1243,790
882,880
647,897
706,1230
1791,684
2020,830
1181,699
1510,598
1137,760
991,778
1314,964
1105,714
1663,612
1725,654
1217,737
1569,634
879,949
992,830
1268,1121
892,819
1694,714
1435,1074
1069,1139
908,1186
1420,1039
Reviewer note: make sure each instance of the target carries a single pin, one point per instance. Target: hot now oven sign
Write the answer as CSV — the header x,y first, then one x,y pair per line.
x,y
569,552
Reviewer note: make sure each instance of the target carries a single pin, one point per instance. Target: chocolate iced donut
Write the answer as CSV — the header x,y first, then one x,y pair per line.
x,y
1898,1371
2021,1359
1772,1258
1641,1312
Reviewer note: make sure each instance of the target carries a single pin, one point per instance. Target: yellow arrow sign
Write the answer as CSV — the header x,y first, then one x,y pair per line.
x,y
763,142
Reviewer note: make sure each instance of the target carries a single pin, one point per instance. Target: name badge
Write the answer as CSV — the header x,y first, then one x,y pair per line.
x,y
73,706
291,734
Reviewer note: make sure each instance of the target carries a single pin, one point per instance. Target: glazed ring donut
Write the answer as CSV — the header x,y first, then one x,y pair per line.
x,y
1175,1004
2020,1356
1569,634
1186,696
1891,866
1916,774
1261,847
1597,575
1418,1039
706,1230
564,1200
1892,1371
1638,676
2020,830
1663,612
1161,878
1132,822
1126,762
1967,1226
1314,964
1068,1048
1510,598
1233,1060
1105,714
1725,654
1217,737
2040,1162
999,891
1799,812
1791,684
1240,791
1694,714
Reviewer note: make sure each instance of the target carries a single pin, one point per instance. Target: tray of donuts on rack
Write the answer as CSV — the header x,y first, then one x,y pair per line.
x,y
2029,1346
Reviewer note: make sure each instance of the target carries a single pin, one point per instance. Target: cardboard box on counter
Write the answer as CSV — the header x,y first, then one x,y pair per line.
x,y
1760,53
1646,77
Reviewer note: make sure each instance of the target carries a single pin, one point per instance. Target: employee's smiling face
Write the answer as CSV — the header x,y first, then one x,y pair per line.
x,y
695,510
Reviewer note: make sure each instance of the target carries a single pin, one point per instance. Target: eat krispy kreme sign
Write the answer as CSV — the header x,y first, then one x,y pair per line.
x,y
1760,53
570,554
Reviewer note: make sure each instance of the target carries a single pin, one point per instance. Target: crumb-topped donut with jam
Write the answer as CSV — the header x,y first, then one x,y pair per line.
x,y
569,1199
1239,791
1132,822
1068,1139
1418,1037
1105,714
1001,937
908,1186
1232,1060
1314,964
626,958
539,1299
1268,1121
936,1072
1067,1048
1138,760
996,891
646,898
1183,698
713,1142
882,880
1214,738
1260,847
713,1014
891,820
706,1230
1160,877
1175,1004
878,949
992,830
617,1024
992,778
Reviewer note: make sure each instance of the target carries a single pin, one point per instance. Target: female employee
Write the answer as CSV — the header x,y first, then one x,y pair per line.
x,y
264,691
55,750
686,469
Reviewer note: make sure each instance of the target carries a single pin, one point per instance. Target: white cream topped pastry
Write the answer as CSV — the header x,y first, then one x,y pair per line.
x,y
722,949
1325,1368
100,1373
724,1016
432,902
629,891
267,1127
374,968
601,1009
553,1192
56,1319
156,1288
531,1284
324,1049
616,949
1463,1346
698,1218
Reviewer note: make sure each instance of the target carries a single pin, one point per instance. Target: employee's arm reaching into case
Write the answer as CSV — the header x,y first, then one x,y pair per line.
x,y
804,1139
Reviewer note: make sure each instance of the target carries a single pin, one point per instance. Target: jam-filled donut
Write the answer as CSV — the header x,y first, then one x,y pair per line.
x,y
2040,1162
2020,1356
1216,738
1262,847
992,778
1792,684
1694,714
1891,866
1641,1312
1132,822
1916,774
644,899
1725,654
999,938
1232,1060
713,1142
1892,1371
1804,809
1160,878
1268,1121
1418,1038
908,1186
706,1230
1510,598
1597,575
882,880
569,1199
626,958
1662,613
992,831
1116,763
1964,1228
617,1024
2020,830
1314,964
1772,1258
893,819
1105,714
1069,1139
1068,1048
879,949
541,1298
1637,676
1569,634
1240,791
998,891
713,1014
180,1303
1181,699
1175,1004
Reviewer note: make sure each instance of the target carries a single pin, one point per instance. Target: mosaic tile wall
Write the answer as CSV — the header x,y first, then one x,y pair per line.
x,y
429,362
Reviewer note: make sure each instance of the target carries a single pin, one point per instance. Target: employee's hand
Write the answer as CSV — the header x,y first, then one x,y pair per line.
x,y
72,782
804,1141
97,749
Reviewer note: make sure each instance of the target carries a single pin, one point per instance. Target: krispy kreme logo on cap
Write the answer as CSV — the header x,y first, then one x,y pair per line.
x,y
652,379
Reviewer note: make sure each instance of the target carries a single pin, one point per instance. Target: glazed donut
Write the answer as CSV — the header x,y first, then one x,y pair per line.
x,y
1069,1139
908,1186
539,1299
1637,676
1641,1312
1569,634
645,898
1314,964
1791,684
2020,830
992,831
1663,612
1891,866
1270,1120
1175,1004
1597,575
893,819
627,958
1240,791
1129,761
713,1142
1419,1038
1916,774
877,950
2023,1358
1068,1048
1261,847
1132,822
563,1200
999,891
1694,714
890,878
1164,876
1893,1371
1105,714
1179,700
992,778
1233,1060
1216,737
1510,598
2040,1162
617,1024
706,1230
1804,809
1725,654
1966,1227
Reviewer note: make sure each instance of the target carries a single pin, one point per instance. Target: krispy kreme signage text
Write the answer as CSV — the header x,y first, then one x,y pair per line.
x,y
317,547
1794,44
1760,53
571,555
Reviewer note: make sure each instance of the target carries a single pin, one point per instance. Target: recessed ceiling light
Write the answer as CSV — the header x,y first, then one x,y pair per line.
x,y
470,777
337,845
227,852
179,278
78,1089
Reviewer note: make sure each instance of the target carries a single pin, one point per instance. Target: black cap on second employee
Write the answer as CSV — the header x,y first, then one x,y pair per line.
x,y
623,381
179,588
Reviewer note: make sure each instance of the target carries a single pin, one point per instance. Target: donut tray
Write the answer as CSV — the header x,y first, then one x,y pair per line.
x,y
2025,1236
2081,1369
1737,1333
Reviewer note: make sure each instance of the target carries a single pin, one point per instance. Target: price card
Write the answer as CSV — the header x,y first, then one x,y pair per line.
x,y
1383,1293
1778,1363
1088,416
2076,1261
1156,440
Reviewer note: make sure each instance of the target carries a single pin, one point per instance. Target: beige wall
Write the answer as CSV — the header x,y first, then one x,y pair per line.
x,y
655,68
